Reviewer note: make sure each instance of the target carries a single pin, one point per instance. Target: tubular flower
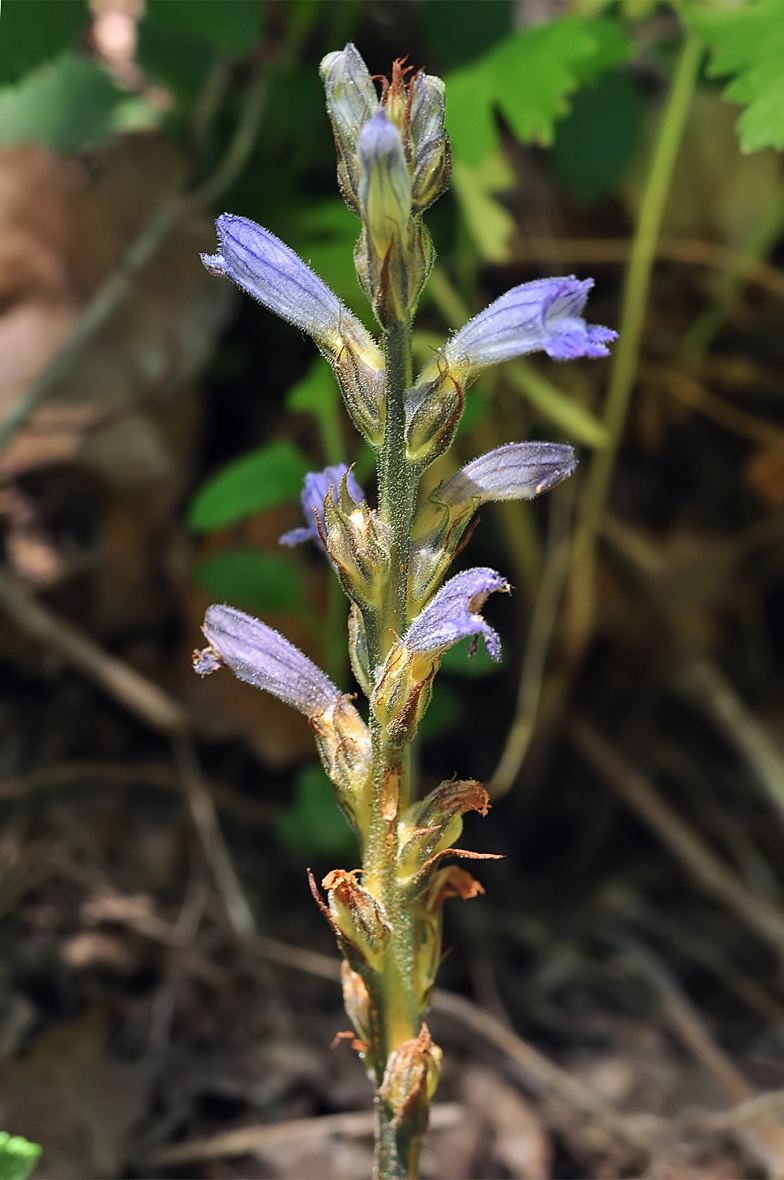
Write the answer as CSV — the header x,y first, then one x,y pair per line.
x,y
516,471
262,265
543,316
318,485
261,656
404,685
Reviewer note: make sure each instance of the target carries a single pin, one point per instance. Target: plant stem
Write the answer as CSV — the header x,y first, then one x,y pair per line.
x,y
397,481
581,602
396,1146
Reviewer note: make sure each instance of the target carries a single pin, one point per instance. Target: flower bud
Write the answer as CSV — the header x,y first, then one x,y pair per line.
x,y
345,748
410,1081
394,255
433,413
357,915
351,101
358,544
430,144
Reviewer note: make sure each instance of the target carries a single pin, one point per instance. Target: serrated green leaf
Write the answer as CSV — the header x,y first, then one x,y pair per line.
x,y
232,27
253,580
263,479
749,43
32,33
63,105
528,77
490,225
314,823
18,1157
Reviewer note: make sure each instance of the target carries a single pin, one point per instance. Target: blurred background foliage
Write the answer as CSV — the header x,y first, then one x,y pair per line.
x,y
155,431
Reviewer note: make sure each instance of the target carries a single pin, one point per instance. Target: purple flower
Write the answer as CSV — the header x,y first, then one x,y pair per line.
x,y
260,655
516,471
453,613
543,315
315,492
272,273
385,184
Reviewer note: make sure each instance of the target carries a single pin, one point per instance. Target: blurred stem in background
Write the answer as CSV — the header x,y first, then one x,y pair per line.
x,y
582,590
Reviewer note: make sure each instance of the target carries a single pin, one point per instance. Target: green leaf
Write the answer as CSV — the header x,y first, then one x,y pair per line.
x,y
32,33
457,661
232,27
490,225
253,580
594,143
17,1157
63,105
314,823
747,42
316,389
528,77
263,479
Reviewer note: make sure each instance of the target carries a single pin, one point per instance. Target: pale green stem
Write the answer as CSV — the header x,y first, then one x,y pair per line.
x,y
626,354
400,1020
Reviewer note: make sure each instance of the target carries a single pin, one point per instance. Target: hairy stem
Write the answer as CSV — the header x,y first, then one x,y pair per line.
x,y
400,1020
635,299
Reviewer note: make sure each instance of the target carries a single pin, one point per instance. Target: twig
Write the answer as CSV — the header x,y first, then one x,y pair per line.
x,y
693,394
251,1140
127,686
149,774
764,1136
215,848
741,1116
687,250
707,869
154,706
117,287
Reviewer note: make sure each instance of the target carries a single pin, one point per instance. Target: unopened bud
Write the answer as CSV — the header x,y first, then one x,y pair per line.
x,y
394,255
430,143
351,101
433,413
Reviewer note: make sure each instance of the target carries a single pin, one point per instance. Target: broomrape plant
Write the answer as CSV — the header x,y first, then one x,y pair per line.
x,y
392,561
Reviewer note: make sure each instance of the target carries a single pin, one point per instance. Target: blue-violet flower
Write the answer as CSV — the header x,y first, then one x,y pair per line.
x,y
453,614
317,488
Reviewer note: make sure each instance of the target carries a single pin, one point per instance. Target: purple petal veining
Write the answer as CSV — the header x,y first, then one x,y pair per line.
x,y
261,656
516,471
453,614
272,273
315,492
542,315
